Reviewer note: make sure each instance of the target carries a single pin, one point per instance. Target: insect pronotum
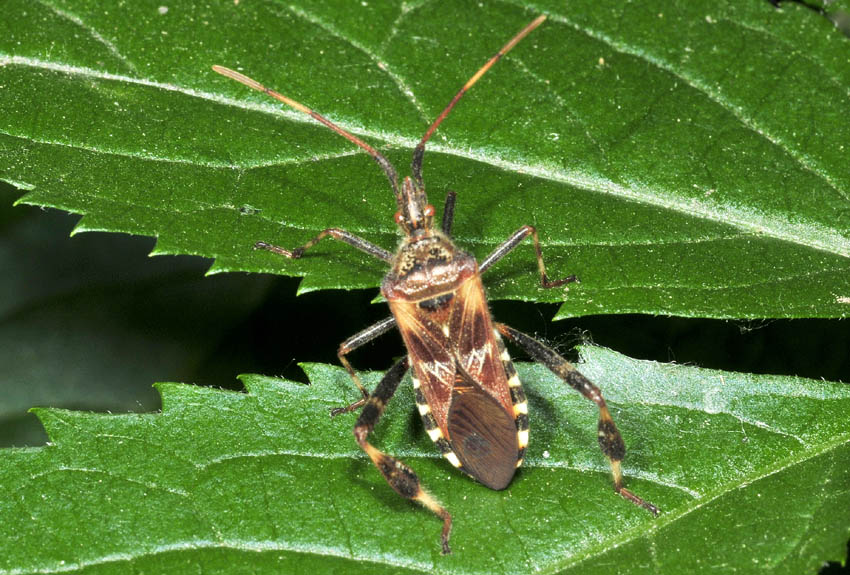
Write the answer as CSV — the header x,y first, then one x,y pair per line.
x,y
467,390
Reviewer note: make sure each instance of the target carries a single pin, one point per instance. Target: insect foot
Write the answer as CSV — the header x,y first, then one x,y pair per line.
x,y
401,478
294,254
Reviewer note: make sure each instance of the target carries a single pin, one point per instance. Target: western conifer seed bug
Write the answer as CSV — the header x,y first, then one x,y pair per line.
x,y
469,396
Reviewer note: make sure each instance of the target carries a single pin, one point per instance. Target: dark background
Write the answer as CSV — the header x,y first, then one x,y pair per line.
x,y
210,329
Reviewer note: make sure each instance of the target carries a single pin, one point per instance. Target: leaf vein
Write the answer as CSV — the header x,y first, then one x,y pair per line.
x,y
563,105
775,38
810,234
92,31
235,544
399,82
805,161
146,484
647,529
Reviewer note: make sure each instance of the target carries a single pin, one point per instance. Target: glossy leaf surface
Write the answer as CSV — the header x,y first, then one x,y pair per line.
x,y
748,470
689,161
87,323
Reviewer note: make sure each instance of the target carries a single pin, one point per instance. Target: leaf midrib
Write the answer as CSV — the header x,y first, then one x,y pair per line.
x,y
709,497
602,547
693,82
811,235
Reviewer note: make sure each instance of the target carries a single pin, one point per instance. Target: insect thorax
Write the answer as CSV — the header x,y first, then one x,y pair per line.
x,y
427,267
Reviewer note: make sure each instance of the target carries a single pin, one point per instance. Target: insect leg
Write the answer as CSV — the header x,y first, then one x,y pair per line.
x,y
449,213
350,345
509,244
610,440
335,233
400,477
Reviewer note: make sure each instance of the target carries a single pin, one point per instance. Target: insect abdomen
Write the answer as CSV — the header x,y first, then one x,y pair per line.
x,y
484,437
518,399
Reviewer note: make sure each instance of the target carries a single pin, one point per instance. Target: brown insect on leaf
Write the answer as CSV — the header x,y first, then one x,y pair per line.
x,y
467,391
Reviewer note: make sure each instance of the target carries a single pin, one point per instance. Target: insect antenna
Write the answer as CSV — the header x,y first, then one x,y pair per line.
x,y
419,152
388,168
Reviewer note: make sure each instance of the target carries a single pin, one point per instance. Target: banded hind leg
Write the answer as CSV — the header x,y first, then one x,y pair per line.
x,y
349,345
400,477
610,440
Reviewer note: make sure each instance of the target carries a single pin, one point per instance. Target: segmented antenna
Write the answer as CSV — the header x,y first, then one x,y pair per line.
x,y
419,152
388,168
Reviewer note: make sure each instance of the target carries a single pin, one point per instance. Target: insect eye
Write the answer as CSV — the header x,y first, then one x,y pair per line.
x,y
398,218
429,210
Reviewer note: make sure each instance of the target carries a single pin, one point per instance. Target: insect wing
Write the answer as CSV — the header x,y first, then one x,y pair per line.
x,y
476,342
483,435
461,385
431,359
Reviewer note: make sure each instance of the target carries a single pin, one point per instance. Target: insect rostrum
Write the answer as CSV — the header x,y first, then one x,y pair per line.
x,y
467,391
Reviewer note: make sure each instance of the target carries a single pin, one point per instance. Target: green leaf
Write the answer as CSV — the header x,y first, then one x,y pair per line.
x,y
748,471
86,323
690,160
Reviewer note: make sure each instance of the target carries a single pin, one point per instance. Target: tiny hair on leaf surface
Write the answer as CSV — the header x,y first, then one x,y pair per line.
x,y
692,162
748,470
